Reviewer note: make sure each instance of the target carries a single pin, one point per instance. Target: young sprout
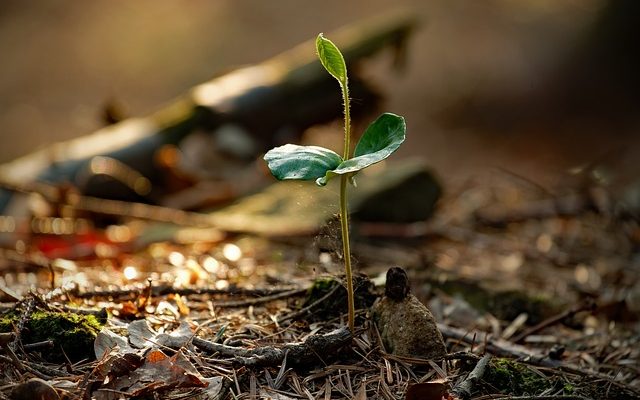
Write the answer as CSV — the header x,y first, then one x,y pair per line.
x,y
379,140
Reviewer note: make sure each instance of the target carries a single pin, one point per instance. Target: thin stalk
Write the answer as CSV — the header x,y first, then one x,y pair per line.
x,y
347,120
344,212
344,224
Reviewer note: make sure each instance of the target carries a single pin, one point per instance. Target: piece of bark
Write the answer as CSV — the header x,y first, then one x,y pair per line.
x,y
406,326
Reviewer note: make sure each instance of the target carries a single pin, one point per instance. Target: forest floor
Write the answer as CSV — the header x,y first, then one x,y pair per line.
x,y
536,296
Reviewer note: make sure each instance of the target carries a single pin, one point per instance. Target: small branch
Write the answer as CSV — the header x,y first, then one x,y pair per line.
x,y
297,353
163,290
306,309
559,397
497,347
260,300
504,348
464,388
46,344
585,306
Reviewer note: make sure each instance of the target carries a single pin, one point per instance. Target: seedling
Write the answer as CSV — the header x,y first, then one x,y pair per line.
x,y
379,140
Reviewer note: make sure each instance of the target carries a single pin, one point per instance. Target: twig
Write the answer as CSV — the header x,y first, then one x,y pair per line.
x,y
558,397
504,348
46,344
162,290
13,360
306,309
588,305
464,388
260,300
497,347
297,353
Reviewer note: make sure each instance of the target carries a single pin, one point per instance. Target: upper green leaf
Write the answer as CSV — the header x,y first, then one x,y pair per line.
x,y
301,162
381,138
331,58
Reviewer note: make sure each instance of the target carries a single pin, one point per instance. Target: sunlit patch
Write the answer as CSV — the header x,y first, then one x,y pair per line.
x,y
544,243
183,278
231,252
118,233
247,266
64,264
324,258
7,223
158,250
197,272
104,250
512,262
21,247
130,272
222,284
176,258
211,265
76,278
581,274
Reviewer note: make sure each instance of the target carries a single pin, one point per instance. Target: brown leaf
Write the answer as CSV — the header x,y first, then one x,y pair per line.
x,y
434,390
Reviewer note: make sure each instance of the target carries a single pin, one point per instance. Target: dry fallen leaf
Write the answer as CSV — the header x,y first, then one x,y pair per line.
x,y
433,390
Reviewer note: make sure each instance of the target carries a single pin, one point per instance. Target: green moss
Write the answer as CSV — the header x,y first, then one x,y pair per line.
x,y
568,388
514,378
72,333
6,323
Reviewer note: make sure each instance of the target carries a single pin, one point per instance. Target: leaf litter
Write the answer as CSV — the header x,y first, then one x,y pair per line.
x,y
188,322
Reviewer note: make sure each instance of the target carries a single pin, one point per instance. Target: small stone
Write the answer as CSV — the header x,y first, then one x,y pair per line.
x,y
406,326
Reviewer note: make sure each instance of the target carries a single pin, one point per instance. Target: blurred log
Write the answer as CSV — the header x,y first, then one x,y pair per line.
x,y
274,101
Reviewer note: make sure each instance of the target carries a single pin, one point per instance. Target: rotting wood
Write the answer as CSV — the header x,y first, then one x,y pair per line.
x,y
309,351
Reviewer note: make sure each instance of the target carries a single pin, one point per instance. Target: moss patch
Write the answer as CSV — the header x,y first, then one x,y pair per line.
x,y
73,333
513,378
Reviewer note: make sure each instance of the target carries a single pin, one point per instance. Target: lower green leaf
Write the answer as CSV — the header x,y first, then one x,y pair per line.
x,y
301,162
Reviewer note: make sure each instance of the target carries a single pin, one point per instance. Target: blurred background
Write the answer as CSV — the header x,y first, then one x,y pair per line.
x,y
535,87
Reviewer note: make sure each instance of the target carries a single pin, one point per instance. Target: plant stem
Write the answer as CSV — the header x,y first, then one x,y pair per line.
x,y
344,212
344,224
347,120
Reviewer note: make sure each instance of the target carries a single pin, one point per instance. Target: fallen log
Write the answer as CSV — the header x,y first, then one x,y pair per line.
x,y
273,101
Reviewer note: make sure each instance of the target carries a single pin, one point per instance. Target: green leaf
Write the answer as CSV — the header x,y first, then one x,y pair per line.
x,y
331,59
381,138
301,162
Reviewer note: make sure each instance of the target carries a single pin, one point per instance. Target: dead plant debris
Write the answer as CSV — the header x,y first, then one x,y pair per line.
x,y
532,304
